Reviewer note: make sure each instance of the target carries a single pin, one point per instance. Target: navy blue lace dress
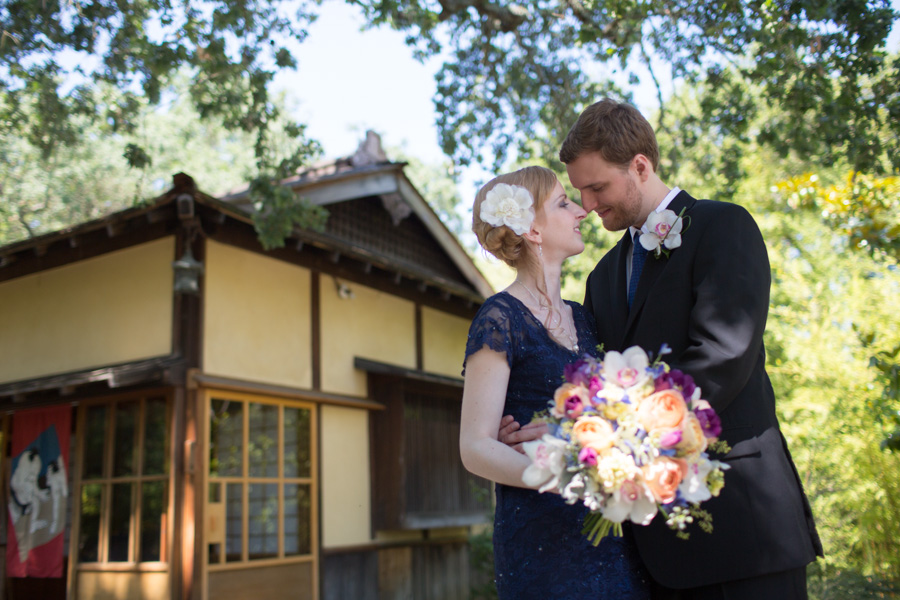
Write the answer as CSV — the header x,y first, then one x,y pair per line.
x,y
539,550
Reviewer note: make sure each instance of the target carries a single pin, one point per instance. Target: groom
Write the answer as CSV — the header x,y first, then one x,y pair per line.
x,y
708,300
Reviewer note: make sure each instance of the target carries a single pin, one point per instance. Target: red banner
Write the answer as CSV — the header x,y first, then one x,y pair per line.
x,y
38,490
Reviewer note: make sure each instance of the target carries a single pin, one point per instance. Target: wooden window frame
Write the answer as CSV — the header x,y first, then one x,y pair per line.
x,y
107,481
393,476
312,481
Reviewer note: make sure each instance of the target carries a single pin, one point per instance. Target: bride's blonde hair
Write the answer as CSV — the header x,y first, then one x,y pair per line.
x,y
501,241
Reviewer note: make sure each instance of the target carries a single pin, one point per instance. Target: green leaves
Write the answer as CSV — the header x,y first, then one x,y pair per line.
x,y
887,364
136,48
863,207
515,78
136,157
279,210
59,54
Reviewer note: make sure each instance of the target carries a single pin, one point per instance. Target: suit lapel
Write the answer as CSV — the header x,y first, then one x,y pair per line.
x,y
654,267
618,293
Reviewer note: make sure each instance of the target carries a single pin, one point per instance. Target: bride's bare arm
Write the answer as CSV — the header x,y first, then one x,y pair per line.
x,y
484,394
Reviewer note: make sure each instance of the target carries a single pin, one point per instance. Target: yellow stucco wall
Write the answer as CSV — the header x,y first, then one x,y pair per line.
x,y
256,318
443,341
346,514
99,585
370,324
105,310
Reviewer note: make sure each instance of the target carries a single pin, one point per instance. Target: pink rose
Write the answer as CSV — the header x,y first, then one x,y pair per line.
x,y
669,438
588,456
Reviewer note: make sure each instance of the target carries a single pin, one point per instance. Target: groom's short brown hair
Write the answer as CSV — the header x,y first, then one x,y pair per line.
x,y
618,131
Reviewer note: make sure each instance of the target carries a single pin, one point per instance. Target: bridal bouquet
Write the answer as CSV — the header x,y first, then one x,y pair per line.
x,y
628,439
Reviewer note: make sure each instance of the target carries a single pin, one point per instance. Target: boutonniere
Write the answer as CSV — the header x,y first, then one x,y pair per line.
x,y
664,233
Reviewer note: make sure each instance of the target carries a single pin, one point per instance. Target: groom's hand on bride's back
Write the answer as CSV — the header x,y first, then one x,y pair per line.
x,y
512,434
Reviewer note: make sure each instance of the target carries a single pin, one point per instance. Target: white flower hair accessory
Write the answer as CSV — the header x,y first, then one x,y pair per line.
x,y
510,205
664,233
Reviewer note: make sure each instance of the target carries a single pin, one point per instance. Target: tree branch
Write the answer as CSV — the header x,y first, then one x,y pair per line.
x,y
507,18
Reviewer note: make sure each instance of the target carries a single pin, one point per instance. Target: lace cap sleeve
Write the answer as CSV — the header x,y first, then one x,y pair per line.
x,y
494,327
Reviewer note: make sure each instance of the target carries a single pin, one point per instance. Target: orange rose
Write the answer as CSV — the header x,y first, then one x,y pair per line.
x,y
692,436
664,409
663,477
593,432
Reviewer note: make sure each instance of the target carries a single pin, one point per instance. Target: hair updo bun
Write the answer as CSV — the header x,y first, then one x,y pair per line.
x,y
501,241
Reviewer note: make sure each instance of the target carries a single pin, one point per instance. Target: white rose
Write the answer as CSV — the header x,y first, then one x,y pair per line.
x,y
510,205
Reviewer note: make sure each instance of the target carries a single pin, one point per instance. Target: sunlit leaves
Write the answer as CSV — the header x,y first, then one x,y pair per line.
x,y
864,207
516,75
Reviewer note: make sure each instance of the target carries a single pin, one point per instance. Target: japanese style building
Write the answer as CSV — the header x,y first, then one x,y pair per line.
x,y
244,423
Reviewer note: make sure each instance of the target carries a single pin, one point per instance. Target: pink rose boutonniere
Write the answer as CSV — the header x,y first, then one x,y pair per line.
x,y
664,233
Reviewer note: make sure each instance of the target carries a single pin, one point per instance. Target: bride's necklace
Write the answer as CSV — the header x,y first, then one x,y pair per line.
x,y
564,326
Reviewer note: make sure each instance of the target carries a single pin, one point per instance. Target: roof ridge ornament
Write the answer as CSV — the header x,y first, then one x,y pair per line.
x,y
396,206
369,152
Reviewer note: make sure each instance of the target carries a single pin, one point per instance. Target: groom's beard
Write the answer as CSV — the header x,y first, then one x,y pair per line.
x,y
626,213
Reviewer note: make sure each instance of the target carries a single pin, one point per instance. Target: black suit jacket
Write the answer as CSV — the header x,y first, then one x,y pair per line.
x,y
708,300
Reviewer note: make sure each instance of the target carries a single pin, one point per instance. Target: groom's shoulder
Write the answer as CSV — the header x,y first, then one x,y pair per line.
x,y
718,207
720,211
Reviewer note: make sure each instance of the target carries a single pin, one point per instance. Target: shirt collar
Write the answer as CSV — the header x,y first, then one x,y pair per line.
x,y
662,206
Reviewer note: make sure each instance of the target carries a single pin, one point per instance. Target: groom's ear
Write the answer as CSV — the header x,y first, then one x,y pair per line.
x,y
642,166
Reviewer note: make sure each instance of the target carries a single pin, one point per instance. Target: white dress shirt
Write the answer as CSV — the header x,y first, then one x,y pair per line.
x,y
632,230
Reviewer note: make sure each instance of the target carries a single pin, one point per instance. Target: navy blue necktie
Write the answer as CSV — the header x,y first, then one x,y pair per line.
x,y
639,255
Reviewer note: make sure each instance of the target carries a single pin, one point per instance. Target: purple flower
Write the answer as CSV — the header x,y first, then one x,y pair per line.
x,y
683,381
662,383
656,371
709,422
573,407
598,401
578,372
588,456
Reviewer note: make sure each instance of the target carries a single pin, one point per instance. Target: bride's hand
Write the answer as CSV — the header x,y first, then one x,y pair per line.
x,y
512,434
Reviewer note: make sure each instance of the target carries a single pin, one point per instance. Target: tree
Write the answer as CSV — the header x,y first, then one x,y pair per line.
x,y
519,73
516,77
831,311
91,176
65,66
866,211
56,53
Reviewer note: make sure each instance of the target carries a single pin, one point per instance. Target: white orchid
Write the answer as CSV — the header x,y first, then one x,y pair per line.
x,y
510,205
693,487
547,462
664,232
626,370
632,501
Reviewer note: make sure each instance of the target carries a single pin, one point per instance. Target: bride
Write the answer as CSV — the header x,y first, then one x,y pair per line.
x,y
518,344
